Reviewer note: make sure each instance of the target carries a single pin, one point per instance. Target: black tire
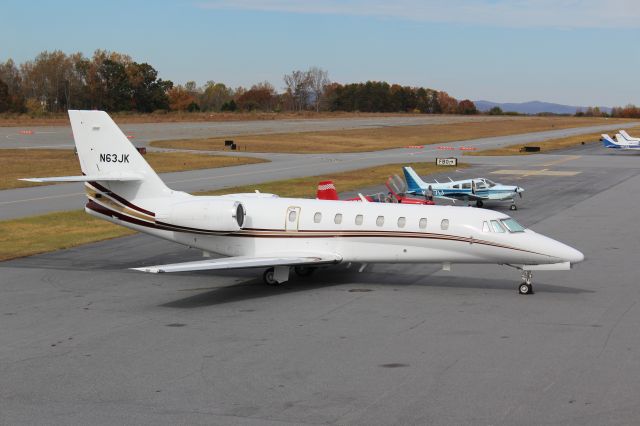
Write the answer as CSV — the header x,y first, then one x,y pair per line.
x,y
524,289
304,271
268,277
479,203
513,207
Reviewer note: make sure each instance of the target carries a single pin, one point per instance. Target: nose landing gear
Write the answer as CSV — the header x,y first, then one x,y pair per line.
x,y
526,287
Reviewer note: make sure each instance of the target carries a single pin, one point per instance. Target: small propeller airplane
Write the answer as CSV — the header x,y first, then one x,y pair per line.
x,y
479,190
279,234
622,141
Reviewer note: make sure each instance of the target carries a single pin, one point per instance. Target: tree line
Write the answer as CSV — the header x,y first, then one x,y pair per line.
x,y
112,81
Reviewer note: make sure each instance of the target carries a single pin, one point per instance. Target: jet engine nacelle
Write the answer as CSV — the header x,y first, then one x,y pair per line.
x,y
212,215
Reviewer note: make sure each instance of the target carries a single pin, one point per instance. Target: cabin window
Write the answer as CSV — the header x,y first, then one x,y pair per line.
x,y
402,222
359,219
380,220
466,185
317,217
444,225
457,186
485,227
423,223
496,226
512,225
292,215
337,219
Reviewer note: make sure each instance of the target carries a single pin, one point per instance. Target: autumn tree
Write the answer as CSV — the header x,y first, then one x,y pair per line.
x,y
466,107
214,95
180,99
448,104
261,96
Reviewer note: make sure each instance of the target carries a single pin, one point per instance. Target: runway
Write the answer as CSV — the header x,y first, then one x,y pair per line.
x,y
43,199
142,134
84,340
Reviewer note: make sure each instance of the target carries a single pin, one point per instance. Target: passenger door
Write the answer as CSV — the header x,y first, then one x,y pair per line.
x,y
292,219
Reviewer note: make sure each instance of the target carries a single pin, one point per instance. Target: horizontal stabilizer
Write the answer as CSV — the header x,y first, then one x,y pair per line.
x,y
241,262
123,176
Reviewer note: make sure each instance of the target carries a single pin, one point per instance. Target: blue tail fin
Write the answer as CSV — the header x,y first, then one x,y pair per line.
x,y
413,181
608,142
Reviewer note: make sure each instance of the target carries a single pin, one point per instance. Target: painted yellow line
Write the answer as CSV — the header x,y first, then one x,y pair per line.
x,y
543,172
562,160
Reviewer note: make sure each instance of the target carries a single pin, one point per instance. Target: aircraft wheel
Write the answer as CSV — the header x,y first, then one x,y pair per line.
x,y
479,203
269,278
525,288
303,271
513,207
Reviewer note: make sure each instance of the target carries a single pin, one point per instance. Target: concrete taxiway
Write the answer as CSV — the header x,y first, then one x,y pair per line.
x,y
84,340
43,199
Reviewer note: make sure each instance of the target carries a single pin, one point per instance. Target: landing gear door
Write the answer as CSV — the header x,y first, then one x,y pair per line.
x,y
292,219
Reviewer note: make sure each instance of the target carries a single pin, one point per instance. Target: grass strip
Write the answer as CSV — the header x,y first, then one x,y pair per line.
x,y
373,139
546,146
60,230
21,163
53,231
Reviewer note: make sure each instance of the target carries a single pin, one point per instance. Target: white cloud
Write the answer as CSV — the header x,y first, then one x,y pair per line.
x,y
501,13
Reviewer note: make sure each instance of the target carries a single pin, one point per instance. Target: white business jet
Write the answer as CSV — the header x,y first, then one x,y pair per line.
x,y
265,231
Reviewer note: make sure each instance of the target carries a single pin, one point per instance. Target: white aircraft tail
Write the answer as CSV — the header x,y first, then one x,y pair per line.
x,y
109,159
628,137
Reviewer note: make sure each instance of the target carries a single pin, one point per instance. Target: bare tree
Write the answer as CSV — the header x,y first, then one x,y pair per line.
x,y
318,80
298,87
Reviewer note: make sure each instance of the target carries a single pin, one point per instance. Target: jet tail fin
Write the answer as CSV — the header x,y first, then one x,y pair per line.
x,y
105,152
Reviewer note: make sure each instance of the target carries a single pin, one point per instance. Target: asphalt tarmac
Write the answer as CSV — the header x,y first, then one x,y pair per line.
x,y
43,199
142,134
84,340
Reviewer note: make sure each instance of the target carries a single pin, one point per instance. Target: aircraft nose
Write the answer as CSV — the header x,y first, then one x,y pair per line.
x,y
573,255
565,252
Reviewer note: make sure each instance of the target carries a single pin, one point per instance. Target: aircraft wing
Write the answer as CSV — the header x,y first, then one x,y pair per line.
x,y
241,262
463,196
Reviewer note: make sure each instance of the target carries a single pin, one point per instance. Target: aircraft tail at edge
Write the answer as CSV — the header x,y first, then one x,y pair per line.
x,y
608,142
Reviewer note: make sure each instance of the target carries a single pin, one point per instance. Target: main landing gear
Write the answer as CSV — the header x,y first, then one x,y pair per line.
x,y
280,274
526,287
479,204
513,207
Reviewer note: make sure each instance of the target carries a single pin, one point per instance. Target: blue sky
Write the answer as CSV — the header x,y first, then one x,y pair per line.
x,y
580,52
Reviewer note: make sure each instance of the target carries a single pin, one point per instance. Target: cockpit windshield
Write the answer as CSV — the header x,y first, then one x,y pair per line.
x,y
512,225
490,183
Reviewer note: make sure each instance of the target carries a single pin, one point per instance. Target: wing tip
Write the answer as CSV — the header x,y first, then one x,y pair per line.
x,y
148,269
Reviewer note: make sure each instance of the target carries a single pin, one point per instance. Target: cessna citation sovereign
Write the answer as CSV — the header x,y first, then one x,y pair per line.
x,y
264,231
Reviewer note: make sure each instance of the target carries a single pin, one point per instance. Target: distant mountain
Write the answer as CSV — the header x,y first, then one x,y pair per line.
x,y
533,107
